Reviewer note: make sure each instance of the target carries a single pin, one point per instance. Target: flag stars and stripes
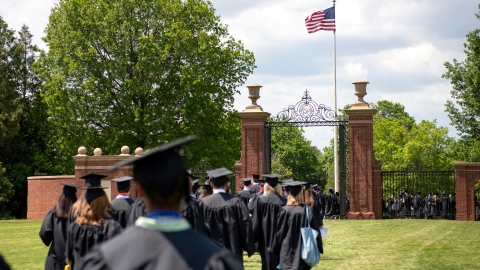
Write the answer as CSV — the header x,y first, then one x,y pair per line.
x,y
321,20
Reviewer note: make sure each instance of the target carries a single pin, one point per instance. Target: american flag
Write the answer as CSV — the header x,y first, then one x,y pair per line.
x,y
321,20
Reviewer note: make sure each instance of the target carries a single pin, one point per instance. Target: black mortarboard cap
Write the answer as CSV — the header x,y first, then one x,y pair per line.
x,y
256,176
443,193
271,179
160,168
219,176
287,181
93,180
123,183
93,186
294,187
207,187
69,188
247,181
195,182
419,192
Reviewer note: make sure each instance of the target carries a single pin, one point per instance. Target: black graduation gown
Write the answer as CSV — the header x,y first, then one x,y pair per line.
x,y
245,195
408,205
330,204
138,210
142,248
122,210
255,188
444,207
289,239
3,264
229,222
265,222
53,233
194,215
82,238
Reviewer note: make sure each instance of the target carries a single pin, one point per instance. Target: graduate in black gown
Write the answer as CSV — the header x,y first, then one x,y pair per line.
x,y
246,194
330,203
191,210
227,216
122,203
265,220
93,225
163,239
54,228
256,184
290,219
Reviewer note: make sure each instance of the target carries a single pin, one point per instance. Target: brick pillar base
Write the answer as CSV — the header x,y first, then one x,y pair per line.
x,y
466,176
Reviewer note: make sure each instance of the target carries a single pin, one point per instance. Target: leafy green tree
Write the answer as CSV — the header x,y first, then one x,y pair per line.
x,y
25,147
464,110
10,99
401,143
6,193
293,155
142,73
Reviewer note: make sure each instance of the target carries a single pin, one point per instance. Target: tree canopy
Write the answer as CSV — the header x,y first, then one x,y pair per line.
x,y
400,143
141,73
464,110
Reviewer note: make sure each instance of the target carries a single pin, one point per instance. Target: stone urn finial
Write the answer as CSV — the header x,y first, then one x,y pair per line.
x,y
97,152
82,151
125,151
254,94
139,151
360,92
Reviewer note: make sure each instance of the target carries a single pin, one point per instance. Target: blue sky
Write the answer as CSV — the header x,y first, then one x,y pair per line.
x,y
398,45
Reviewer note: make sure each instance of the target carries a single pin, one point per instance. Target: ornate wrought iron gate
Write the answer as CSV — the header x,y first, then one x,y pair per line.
x,y
307,113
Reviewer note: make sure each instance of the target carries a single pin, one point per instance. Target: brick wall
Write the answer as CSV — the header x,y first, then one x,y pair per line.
x,y
466,176
43,191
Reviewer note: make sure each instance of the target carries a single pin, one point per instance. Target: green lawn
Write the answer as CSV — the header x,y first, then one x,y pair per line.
x,y
351,244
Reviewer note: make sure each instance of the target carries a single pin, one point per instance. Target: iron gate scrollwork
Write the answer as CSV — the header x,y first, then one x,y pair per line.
x,y
308,113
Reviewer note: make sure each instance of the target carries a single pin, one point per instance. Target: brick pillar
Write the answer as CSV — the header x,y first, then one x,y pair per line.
x,y
253,122
365,185
466,176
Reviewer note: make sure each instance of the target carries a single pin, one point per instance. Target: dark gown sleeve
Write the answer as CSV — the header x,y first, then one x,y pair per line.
x,y
256,218
246,231
192,212
94,260
68,242
224,260
3,264
314,224
46,231
282,230
252,204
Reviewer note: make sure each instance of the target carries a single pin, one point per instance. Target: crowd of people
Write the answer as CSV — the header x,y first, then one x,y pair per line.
x,y
178,224
432,206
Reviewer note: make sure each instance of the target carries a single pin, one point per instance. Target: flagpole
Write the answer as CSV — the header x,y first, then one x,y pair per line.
x,y
335,128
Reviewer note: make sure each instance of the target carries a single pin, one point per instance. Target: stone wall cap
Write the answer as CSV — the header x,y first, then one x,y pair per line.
x,y
50,177
94,158
254,114
361,111
464,163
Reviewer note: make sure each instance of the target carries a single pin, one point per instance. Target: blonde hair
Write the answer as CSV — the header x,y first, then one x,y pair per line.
x,y
267,189
307,194
296,200
95,212
78,205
